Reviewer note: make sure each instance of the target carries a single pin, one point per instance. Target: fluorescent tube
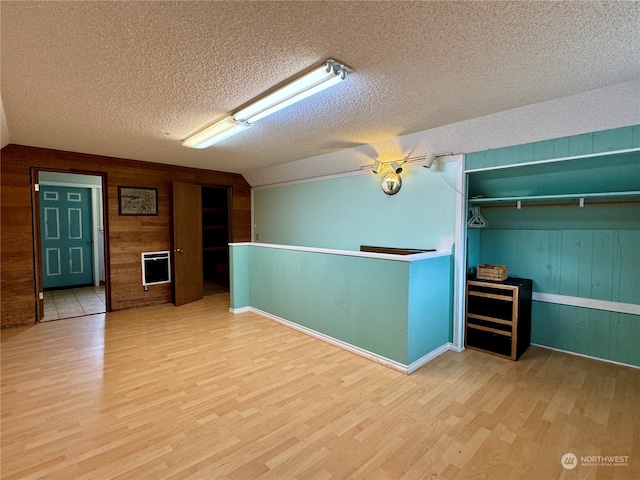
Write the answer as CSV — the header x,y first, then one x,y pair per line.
x,y
313,82
214,133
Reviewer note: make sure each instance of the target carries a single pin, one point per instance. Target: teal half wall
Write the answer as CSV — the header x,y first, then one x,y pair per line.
x,y
346,212
394,308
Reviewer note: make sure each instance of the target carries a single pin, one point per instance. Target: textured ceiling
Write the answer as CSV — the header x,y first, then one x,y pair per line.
x,y
132,79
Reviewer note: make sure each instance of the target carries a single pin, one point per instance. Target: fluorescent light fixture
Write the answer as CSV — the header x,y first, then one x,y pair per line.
x,y
214,133
313,82
330,73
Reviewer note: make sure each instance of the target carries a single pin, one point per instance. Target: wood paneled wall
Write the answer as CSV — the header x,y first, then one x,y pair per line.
x,y
128,236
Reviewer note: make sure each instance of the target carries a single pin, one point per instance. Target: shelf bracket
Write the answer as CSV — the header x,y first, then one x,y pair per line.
x,y
581,202
519,205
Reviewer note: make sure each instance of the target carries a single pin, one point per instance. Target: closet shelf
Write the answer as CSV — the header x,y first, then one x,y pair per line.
x,y
571,198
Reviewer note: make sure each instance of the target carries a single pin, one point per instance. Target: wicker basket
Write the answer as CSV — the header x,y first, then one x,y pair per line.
x,y
492,272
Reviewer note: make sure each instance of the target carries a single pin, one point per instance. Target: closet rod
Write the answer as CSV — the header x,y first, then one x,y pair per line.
x,y
559,205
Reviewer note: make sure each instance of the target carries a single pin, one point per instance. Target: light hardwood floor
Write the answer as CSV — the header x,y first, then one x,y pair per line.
x,y
195,392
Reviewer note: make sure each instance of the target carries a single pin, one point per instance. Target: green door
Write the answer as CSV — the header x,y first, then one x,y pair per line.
x,y
66,236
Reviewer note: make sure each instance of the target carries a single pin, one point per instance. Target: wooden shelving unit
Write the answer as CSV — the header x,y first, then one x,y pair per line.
x,y
498,316
215,234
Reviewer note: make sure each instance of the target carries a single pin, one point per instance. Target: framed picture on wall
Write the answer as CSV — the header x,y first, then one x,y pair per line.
x,y
137,201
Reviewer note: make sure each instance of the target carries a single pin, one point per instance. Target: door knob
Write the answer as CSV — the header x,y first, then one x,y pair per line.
x,y
179,250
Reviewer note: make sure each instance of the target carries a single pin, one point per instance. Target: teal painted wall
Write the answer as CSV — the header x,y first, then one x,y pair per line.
x,y
239,275
598,264
596,142
597,333
430,306
589,252
398,310
360,301
346,212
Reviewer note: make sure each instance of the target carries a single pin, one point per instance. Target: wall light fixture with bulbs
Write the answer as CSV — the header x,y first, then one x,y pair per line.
x,y
390,171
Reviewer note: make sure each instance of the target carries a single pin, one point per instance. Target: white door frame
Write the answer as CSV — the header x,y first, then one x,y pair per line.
x,y
97,224
460,254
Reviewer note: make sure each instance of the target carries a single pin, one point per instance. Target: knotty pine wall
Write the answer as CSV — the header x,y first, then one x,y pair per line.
x,y
127,236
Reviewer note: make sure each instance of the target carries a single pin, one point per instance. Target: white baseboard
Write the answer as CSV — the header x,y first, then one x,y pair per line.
x,y
237,311
412,367
387,362
587,356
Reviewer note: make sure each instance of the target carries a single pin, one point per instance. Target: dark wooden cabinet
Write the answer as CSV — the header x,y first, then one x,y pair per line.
x,y
498,316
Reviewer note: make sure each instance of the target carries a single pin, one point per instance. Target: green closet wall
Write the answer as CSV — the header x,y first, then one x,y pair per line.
x,y
591,252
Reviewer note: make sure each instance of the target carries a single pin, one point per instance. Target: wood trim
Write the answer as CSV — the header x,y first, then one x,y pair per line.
x,y
494,284
514,338
489,319
107,242
492,330
491,295
37,250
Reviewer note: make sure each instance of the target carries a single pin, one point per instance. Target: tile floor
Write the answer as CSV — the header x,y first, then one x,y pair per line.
x,y
73,302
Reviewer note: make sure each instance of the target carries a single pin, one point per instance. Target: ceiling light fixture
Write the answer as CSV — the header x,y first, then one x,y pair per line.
x,y
391,183
428,161
397,167
214,133
330,73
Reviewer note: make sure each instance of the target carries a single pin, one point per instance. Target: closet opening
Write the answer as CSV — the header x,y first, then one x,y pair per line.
x,y
216,228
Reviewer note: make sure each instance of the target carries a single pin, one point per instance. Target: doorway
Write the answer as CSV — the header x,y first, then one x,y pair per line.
x,y
71,270
216,227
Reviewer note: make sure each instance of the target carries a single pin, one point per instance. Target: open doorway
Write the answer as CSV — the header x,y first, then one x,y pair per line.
x,y
215,239
71,246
